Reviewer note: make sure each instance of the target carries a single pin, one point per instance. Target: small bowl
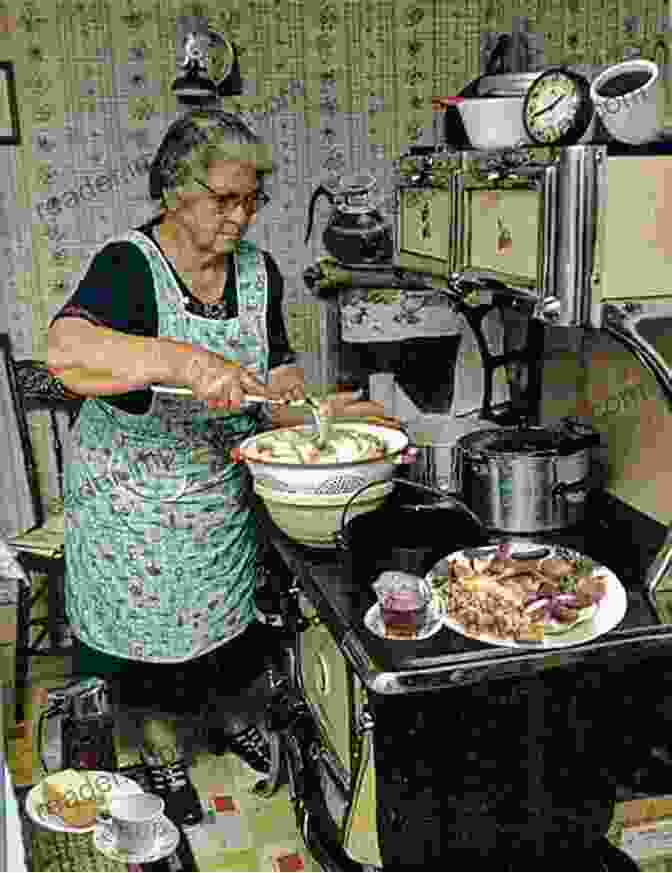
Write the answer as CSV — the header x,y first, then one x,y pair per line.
x,y
494,122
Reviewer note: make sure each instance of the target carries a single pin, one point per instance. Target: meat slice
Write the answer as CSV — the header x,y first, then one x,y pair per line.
x,y
590,589
565,614
548,588
556,568
526,581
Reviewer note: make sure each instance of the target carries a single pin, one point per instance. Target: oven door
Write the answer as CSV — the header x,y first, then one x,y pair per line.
x,y
325,682
337,701
506,213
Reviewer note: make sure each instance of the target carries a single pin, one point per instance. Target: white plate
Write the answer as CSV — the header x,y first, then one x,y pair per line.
x,y
167,840
609,614
111,785
435,617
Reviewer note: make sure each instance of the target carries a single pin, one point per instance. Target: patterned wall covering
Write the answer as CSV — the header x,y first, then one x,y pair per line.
x,y
339,86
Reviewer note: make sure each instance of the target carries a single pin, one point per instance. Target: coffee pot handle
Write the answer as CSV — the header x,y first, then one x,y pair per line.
x,y
319,191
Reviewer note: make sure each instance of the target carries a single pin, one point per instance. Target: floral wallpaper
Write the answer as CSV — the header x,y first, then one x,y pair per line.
x,y
338,86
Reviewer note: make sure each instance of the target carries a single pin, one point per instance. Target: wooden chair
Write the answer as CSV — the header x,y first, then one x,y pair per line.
x,y
40,548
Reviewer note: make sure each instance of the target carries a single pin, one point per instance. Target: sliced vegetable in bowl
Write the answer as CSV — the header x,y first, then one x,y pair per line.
x,y
343,446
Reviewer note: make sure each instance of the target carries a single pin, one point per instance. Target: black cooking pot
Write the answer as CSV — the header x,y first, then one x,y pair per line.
x,y
415,527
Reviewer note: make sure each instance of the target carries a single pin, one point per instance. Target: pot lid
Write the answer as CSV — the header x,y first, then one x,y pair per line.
x,y
528,441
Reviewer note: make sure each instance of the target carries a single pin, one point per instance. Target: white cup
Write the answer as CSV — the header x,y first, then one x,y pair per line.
x,y
135,820
629,100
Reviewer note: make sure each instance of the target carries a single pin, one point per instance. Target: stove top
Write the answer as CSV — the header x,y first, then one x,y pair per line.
x,y
615,535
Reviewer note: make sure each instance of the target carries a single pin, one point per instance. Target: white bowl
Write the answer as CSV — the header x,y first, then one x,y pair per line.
x,y
329,479
634,112
494,122
315,519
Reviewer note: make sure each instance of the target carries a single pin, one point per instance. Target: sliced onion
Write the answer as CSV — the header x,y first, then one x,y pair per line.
x,y
565,599
554,611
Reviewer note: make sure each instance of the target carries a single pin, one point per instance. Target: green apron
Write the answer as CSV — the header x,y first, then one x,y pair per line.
x,y
160,538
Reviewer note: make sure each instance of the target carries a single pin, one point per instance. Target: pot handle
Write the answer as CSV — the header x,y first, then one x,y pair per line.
x,y
448,500
319,191
564,490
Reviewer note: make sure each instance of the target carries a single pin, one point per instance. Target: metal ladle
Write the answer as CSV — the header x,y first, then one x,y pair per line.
x,y
320,423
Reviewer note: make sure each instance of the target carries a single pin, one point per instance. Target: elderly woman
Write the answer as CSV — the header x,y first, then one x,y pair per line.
x,y
162,544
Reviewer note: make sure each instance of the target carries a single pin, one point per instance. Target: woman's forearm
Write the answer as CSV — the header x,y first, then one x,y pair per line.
x,y
93,360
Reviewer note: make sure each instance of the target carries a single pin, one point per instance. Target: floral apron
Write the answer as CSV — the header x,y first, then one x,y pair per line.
x,y
160,537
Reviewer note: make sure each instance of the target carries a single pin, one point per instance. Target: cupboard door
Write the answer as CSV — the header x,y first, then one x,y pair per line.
x,y
324,676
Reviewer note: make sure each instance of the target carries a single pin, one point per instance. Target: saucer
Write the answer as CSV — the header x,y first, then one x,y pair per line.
x,y
167,840
374,622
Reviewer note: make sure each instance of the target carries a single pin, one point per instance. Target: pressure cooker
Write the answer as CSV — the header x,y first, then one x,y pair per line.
x,y
528,480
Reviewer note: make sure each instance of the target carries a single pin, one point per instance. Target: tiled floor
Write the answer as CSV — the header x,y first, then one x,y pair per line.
x,y
247,832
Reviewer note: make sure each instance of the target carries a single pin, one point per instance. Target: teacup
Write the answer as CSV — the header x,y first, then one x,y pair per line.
x,y
135,821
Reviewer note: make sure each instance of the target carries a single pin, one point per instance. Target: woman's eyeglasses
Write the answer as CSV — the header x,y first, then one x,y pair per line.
x,y
228,203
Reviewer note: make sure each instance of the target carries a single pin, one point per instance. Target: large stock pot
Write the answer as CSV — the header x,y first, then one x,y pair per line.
x,y
527,480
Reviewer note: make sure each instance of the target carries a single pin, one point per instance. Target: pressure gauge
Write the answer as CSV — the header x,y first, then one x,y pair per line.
x,y
558,108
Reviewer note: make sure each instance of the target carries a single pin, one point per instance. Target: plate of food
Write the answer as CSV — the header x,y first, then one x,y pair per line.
x,y
528,595
70,800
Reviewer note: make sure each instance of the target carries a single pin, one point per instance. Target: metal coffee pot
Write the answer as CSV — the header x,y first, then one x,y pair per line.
x,y
356,232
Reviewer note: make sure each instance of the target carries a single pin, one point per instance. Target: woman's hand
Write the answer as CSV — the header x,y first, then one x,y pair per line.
x,y
223,384
286,383
346,404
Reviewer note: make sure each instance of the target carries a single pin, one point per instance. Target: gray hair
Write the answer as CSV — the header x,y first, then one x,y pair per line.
x,y
194,142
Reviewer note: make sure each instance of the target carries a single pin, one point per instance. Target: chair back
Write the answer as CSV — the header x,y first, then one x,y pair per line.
x,y
28,387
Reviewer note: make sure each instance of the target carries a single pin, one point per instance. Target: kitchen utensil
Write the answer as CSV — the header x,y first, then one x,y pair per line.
x,y
490,85
611,611
630,101
409,533
356,232
494,122
326,479
249,398
558,108
311,402
314,519
529,479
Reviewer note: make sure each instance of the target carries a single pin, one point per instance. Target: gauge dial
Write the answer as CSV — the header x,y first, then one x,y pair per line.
x,y
557,108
